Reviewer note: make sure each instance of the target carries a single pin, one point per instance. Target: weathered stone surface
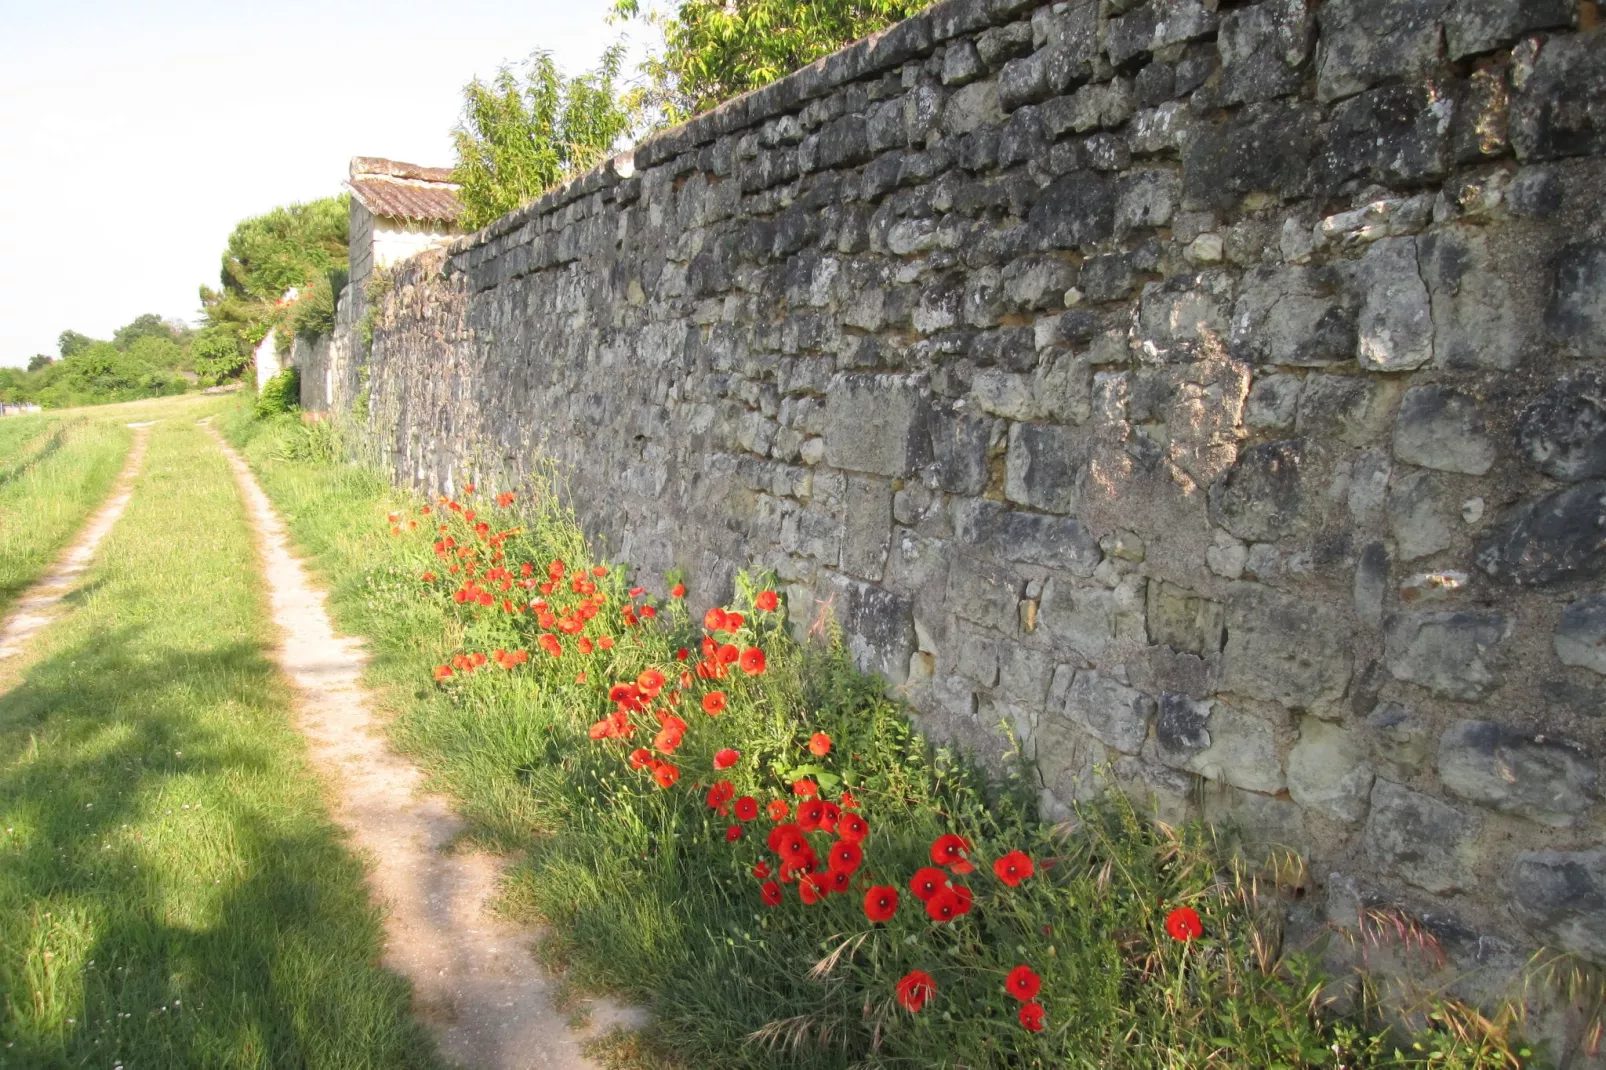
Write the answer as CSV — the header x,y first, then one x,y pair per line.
x,y
1262,496
1082,618
1328,772
879,626
1553,539
1453,654
1399,739
1576,314
1563,895
1183,620
1113,713
1542,779
1058,542
866,527
978,660
1043,466
1239,748
1399,134
1371,584
1438,427
1419,839
973,107
1077,209
1262,48
984,593
1581,634
1293,315
1285,649
874,423
1156,24
1352,409
1563,432
959,451
1273,403
1473,26
1182,727
1558,100
1396,320
1485,289
1264,148
1364,42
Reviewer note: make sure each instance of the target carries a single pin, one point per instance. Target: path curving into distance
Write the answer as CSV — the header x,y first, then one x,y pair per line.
x,y
476,983
36,608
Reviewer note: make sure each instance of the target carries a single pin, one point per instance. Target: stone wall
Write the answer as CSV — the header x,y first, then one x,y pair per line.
x,y
1214,396
329,365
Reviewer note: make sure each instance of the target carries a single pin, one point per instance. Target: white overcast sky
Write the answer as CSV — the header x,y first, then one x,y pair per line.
x,y
134,135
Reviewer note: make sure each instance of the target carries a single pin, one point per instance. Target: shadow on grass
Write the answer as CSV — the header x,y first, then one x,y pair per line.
x,y
54,442
173,894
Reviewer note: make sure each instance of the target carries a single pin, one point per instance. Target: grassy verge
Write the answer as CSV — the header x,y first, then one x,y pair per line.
x,y
662,894
171,892
20,436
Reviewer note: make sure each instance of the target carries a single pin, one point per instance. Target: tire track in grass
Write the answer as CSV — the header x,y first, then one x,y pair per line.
x,y
36,608
477,984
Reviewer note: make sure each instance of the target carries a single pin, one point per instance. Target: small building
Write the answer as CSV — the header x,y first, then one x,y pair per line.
x,y
397,209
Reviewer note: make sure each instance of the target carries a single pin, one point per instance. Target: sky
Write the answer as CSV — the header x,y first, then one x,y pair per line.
x,y
134,134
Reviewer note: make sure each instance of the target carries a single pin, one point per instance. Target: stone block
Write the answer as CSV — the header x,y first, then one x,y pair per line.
x,y
1057,542
1081,618
1024,676
1262,48
1421,840
1238,748
1581,634
1183,620
1576,312
1438,427
1273,402
866,527
1544,780
1328,772
1453,654
1395,326
1396,134
1297,316
1145,198
1263,148
1485,289
1156,24
1423,514
1110,711
1076,209
1562,894
1285,649
972,108
961,63
1473,26
978,659
1364,42
1371,584
1563,431
959,451
1399,739
1353,409
1262,496
1043,467
1550,540
878,624
875,423
1558,100
1479,128
984,593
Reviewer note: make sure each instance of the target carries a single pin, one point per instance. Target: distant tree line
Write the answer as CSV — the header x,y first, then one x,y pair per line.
x,y
147,357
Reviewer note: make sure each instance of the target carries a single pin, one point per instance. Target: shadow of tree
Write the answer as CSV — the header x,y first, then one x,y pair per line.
x,y
172,893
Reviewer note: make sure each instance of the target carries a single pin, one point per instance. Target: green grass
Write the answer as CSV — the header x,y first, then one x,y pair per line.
x,y
172,893
21,435
647,899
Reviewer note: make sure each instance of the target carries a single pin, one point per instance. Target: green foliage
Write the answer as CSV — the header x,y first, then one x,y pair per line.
x,y
219,354
40,360
144,359
714,50
150,325
280,394
525,131
313,315
266,255
72,343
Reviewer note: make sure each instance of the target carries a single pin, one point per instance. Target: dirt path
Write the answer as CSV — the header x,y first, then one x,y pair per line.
x,y
476,983
37,606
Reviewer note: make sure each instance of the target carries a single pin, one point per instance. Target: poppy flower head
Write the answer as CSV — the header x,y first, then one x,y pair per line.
x,y
665,775
725,758
853,828
771,893
805,788
651,681
443,672
728,654
720,794
1031,1017
714,703
829,813
915,990
778,810
767,601
844,856
752,661
849,801
746,808
640,757
1184,924
947,905
678,591
950,850
927,882
819,744
1023,983
838,881
881,903
714,620
809,814
1013,867
811,889
761,870
733,834
733,621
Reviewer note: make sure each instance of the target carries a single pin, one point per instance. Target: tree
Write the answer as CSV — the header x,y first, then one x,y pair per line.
x,y
72,343
218,355
525,132
716,49
291,246
40,360
150,325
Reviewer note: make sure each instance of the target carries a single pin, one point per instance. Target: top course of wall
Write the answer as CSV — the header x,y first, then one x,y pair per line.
x,y
1213,396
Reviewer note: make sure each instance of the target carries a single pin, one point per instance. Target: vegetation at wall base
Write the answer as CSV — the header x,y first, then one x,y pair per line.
x,y
1105,942
280,394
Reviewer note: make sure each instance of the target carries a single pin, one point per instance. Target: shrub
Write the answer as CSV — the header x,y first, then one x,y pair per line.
x,y
280,394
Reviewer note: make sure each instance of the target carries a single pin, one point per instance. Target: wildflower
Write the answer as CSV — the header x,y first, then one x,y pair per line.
x,y
1183,924
720,794
844,856
761,870
927,882
1023,983
714,703
789,842
725,758
443,672
805,788
469,489
599,572
849,801
1031,1016
948,904
767,601
819,744
428,577
651,681
714,620
584,645
829,813
733,621
640,757
915,990
1013,868
949,850
746,808
504,499
637,592
733,834
881,903
606,642
550,644
809,815
728,654
778,810
648,612
665,775
678,591
853,828
682,654
752,661
771,893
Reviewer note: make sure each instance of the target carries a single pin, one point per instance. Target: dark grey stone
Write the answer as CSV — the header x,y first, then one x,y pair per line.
x,y
1453,654
1263,148
1544,780
1397,134
1550,540
1535,193
1262,48
1371,584
1581,634
1294,315
1419,839
1438,427
1563,895
1559,107
1058,542
1563,432
1001,43
959,451
1106,278
1155,84
1473,26
984,593
1352,409
1364,42
1156,24
879,626
1576,313
1262,496
1077,209
1043,467
1182,726
1478,128
875,423
961,64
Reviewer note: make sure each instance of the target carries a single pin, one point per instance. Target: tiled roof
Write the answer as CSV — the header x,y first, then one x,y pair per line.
x,y
398,190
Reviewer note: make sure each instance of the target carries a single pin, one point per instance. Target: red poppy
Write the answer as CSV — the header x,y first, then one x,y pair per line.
x,y
682,654
725,758
753,661
809,814
733,621
720,794
1014,867
766,600
714,620
599,572
550,644
853,828
1023,983
469,489
950,851
778,809
810,889
849,801
733,834
665,775
678,591
746,808
787,841
916,990
584,645
819,744
829,812
714,703
881,902
606,642
761,870
666,741
728,654
428,577
805,788
838,881
845,856
771,893
1183,924
651,681
443,672
948,904
927,882
640,757
1031,1016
